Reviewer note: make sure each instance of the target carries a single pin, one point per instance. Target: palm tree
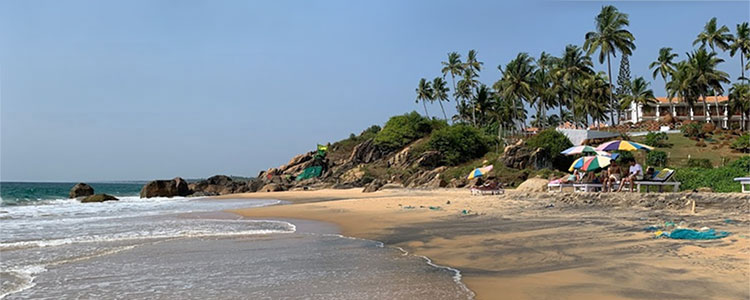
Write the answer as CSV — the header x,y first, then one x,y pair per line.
x,y
440,93
453,66
544,93
466,87
424,94
609,37
664,66
712,36
705,75
573,65
472,62
640,95
482,100
741,43
506,113
681,84
517,79
739,97
464,92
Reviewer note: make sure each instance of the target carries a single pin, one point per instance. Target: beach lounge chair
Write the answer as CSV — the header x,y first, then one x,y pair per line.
x,y
661,179
743,182
491,188
587,187
557,185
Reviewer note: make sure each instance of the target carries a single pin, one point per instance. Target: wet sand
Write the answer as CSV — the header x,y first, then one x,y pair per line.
x,y
540,246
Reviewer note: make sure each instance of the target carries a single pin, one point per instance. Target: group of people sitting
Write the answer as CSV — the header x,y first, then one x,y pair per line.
x,y
611,176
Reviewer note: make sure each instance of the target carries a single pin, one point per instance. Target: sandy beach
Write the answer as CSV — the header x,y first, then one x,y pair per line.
x,y
547,246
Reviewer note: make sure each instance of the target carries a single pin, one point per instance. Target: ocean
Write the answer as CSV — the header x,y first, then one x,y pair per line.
x,y
52,247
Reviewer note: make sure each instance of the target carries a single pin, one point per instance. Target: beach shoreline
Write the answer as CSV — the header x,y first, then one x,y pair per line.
x,y
539,245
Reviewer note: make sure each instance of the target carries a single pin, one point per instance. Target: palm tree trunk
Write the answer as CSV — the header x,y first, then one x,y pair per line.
x,y
718,114
742,66
611,102
425,109
453,78
706,111
443,109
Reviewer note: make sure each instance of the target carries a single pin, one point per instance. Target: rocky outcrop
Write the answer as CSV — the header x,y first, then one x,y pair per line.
x,y
165,188
81,190
373,186
99,198
271,187
422,178
364,153
518,156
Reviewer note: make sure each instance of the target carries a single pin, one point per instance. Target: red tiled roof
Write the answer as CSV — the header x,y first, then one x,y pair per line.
x,y
709,99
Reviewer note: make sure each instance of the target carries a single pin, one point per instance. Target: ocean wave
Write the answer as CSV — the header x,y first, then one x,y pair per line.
x,y
279,227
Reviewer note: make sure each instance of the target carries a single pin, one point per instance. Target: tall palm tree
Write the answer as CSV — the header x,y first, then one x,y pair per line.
x,y
706,76
472,62
464,92
544,93
516,83
424,94
664,66
640,95
482,99
739,97
610,37
714,37
506,112
741,44
466,87
573,65
681,84
440,93
453,66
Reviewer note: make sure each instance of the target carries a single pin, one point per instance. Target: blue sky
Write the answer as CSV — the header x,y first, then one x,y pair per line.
x,y
104,90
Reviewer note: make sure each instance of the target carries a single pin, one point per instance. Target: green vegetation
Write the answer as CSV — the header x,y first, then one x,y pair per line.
x,y
403,129
699,163
742,143
553,143
718,179
683,148
656,159
656,139
459,143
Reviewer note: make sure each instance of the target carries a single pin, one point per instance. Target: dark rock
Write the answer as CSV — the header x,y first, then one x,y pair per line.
x,y
365,152
373,186
219,180
165,188
271,187
81,190
429,159
518,156
99,198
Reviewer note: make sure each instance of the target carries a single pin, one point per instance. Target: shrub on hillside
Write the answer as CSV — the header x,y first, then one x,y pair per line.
x,y
459,143
656,158
691,130
403,129
656,139
699,163
719,179
708,128
742,143
553,142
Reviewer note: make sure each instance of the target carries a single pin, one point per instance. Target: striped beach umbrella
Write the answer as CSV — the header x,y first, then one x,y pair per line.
x,y
584,150
621,145
479,172
590,163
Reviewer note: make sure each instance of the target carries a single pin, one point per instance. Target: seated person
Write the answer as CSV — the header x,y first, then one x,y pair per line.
x,y
650,172
573,178
635,172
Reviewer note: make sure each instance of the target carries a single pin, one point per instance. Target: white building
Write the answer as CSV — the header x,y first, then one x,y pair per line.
x,y
639,112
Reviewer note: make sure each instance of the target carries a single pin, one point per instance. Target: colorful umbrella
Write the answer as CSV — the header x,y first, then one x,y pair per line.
x,y
591,163
623,146
479,172
584,150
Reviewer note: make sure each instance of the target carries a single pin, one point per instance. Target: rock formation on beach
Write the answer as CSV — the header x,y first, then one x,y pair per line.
x,y
99,198
165,188
81,190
